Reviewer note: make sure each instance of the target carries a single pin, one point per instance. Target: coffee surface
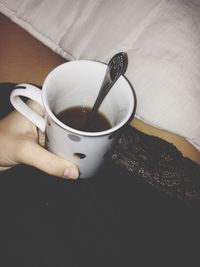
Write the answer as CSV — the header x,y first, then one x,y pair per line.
x,y
75,117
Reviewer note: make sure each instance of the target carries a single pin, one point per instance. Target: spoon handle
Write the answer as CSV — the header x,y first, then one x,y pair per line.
x,y
116,67
106,85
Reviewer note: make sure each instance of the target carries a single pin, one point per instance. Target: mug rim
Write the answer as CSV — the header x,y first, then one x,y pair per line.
x,y
124,122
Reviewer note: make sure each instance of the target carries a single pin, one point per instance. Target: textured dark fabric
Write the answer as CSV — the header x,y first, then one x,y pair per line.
x,y
134,212
159,163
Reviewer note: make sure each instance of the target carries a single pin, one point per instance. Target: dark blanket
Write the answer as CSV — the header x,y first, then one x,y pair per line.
x,y
130,214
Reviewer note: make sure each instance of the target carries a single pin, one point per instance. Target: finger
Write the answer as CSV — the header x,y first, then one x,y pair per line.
x,y
35,106
48,162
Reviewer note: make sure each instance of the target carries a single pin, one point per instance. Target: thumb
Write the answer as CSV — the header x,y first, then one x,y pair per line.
x,y
42,159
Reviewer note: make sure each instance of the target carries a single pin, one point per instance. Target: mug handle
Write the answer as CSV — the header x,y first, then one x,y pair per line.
x,y
34,93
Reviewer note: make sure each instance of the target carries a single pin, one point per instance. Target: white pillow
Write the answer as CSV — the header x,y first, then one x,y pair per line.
x,y
162,39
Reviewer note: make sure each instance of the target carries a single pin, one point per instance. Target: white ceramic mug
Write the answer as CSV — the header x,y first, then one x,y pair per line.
x,y
77,83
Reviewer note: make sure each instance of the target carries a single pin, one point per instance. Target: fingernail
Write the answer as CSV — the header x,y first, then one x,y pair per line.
x,y
71,173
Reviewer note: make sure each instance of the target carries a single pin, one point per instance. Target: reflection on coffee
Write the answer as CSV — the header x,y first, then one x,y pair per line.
x,y
75,117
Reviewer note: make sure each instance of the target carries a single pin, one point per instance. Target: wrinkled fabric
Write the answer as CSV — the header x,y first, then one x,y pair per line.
x,y
158,163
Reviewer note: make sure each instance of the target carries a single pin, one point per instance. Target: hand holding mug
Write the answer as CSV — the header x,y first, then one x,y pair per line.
x,y
69,85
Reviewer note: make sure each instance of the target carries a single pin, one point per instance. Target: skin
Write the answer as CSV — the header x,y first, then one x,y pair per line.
x,y
20,142
24,59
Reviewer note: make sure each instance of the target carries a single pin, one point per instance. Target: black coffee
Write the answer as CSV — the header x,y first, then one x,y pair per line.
x,y
75,117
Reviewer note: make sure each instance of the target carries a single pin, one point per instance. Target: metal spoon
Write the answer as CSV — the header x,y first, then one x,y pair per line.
x,y
117,66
